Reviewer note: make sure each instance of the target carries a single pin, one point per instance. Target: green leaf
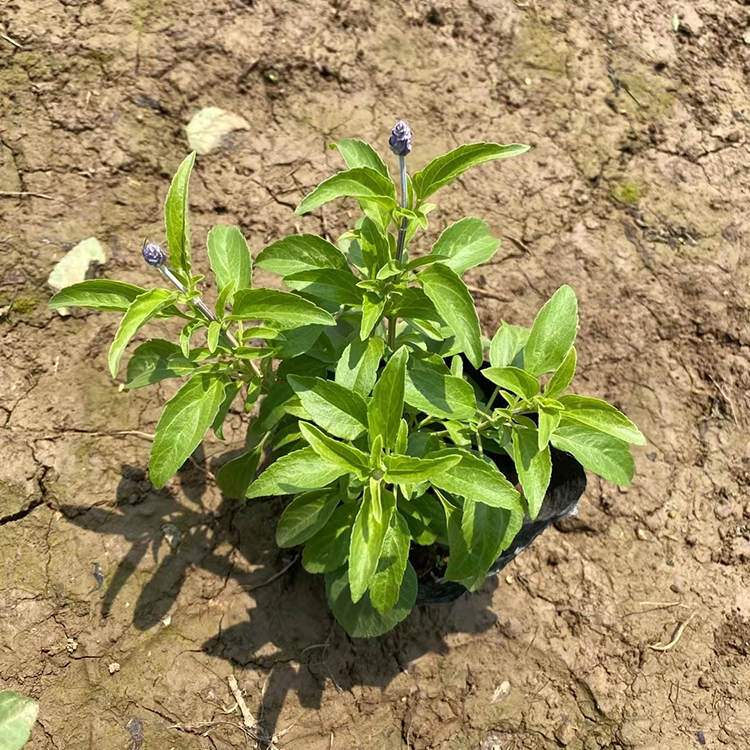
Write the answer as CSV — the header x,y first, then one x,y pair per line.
x,y
437,395
514,380
357,369
230,260
376,250
284,309
420,215
411,470
466,244
601,416
477,535
385,586
387,404
402,438
295,472
335,452
506,344
300,252
328,550
226,295
368,534
235,476
273,407
372,312
230,394
455,305
97,294
334,407
305,516
357,153
425,517
297,341
607,456
414,304
562,376
445,169
186,334
212,337
420,444
534,467
332,284
476,479
156,360
548,421
182,425
176,216
376,451
363,183
17,716
361,619
143,308
553,333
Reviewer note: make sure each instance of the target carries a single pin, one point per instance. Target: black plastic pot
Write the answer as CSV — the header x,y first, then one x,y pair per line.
x,y
567,485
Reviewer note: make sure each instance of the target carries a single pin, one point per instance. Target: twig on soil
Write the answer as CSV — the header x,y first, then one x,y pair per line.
x,y
274,577
15,194
247,717
11,41
203,468
486,293
653,607
520,245
97,433
676,637
725,397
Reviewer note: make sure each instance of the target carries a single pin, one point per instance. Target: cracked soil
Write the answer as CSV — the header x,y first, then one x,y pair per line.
x,y
636,193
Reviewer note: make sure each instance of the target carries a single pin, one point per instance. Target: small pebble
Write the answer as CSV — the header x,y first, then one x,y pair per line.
x,y
641,534
704,681
113,667
672,513
71,645
501,692
509,580
565,733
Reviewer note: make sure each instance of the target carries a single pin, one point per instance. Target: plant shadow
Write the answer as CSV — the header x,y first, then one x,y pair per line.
x,y
290,612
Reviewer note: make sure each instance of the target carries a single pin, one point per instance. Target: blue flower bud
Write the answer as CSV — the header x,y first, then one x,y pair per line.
x,y
154,255
400,140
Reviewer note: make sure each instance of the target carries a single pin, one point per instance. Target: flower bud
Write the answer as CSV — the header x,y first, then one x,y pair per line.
x,y
154,255
400,140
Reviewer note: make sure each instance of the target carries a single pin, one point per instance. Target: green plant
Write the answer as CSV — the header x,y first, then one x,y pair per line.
x,y
369,372
17,715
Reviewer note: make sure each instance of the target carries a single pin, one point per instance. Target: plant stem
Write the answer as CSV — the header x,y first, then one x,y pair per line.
x,y
404,201
493,397
206,312
399,246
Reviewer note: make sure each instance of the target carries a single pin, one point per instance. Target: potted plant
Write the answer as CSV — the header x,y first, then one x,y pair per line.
x,y
392,423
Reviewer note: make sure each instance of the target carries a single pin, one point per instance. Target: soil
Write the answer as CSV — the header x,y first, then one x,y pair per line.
x,y
635,193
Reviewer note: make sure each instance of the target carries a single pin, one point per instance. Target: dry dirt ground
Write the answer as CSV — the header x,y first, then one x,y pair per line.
x,y
636,193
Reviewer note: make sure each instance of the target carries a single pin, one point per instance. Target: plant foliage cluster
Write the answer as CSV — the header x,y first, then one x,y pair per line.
x,y
367,380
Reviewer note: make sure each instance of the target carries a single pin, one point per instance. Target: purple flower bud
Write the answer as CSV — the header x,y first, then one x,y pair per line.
x,y
154,255
400,140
